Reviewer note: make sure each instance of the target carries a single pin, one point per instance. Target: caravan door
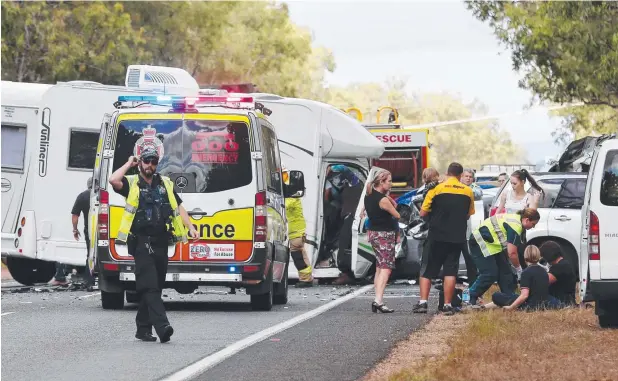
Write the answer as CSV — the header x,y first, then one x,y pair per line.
x,y
363,256
99,176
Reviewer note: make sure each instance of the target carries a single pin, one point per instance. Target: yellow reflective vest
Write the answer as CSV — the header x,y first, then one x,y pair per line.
x,y
495,226
178,228
295,217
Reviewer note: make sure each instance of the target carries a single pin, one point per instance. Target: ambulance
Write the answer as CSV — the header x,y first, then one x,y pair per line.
x,y
222,154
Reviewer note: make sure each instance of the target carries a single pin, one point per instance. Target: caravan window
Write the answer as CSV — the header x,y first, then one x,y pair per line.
x,y
215,155
13,147
271,160
82,149
609,183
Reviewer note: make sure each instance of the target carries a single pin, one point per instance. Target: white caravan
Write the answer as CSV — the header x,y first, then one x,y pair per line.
x,y
49,139
599,234
314,136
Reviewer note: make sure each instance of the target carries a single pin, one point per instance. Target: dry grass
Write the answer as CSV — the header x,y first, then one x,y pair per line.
x,y
496,345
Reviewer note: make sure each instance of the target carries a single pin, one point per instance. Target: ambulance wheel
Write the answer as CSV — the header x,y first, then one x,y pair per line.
x,y
131,297
264,301
112,300
281,289
30,271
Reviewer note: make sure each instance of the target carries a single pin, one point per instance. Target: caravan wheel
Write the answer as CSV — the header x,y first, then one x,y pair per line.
x,y
30,271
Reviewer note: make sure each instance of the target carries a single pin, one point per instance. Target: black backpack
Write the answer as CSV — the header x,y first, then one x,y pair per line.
x,y
457,299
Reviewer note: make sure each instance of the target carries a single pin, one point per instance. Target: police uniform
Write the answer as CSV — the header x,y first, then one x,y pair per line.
x,y
150,223
488,245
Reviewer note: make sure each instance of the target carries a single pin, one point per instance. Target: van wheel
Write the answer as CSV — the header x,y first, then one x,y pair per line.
x,y
281,289
132,297
112,300
264,302
30,271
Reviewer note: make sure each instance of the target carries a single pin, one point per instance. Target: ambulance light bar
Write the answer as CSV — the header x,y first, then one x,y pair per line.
x,y
224,99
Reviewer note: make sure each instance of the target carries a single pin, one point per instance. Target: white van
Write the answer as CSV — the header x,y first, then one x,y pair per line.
x,y
222,154
315,137
49,140
599,233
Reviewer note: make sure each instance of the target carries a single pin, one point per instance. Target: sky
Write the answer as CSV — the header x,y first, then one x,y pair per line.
x,y
437,46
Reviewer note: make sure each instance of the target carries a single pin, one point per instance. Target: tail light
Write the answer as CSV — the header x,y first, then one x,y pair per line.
x,y
594,247
103,218
261,212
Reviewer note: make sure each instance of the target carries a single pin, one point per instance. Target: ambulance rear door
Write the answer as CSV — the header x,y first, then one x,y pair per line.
x,y
363,256
98,177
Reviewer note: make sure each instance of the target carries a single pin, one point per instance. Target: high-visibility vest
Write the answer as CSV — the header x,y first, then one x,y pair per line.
x,y
495,225
179,231
295,217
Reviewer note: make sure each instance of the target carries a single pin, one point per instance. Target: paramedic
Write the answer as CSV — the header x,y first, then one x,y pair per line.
x,y
296,236
489,242
153,211
450,204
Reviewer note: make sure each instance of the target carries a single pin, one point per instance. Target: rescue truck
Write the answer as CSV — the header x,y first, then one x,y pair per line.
x,y
49,139
406,152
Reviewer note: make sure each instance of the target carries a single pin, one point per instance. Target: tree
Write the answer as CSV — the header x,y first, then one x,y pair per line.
x,y
49,42
567,51
461,143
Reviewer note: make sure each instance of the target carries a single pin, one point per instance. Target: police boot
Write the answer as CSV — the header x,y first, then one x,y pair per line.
x,y
304,272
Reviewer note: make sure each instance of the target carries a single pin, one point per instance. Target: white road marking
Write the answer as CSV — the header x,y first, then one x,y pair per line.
x,y
6,313
89,295
209,361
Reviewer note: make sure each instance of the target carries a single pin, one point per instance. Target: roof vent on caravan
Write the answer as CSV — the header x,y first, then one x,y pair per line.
x,y
160,78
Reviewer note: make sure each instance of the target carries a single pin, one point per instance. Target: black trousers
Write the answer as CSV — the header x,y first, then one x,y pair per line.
x,y
150,270
344,259
471,270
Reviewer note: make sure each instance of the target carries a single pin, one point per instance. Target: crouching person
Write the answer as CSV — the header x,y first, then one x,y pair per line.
x,y
534,284
296,237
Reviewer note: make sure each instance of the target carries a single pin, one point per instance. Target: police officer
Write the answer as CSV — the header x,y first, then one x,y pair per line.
x,y
153,218
296,236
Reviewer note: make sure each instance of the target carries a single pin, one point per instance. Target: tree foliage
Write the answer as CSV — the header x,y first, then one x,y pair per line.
x,y
216,42
567,52
471,144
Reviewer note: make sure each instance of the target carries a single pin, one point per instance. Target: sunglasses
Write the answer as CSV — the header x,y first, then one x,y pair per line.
x,y
150,161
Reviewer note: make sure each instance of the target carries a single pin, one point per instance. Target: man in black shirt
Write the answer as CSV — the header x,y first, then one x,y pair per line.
x,y
450,205
81,206
149,237
562,279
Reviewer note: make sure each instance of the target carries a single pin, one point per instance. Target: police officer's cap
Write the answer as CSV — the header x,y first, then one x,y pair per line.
x,y
149,153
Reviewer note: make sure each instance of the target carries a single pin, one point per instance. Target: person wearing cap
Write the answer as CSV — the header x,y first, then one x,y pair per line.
x,y
153,219
296,236
81,206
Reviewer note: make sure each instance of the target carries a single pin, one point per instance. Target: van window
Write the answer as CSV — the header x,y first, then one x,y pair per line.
x,y
13,147
82,149
609,183
571,194
215,156
271,160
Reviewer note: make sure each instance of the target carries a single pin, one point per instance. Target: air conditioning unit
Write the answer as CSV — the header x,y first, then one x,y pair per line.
x,y
161,79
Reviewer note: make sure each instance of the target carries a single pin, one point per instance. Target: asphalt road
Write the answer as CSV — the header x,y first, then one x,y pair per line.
x,y
66,335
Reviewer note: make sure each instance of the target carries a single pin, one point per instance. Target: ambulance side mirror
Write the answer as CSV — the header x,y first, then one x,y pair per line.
x,y
296,188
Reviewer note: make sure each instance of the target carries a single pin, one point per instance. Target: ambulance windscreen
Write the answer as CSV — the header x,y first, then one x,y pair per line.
x,y
215,156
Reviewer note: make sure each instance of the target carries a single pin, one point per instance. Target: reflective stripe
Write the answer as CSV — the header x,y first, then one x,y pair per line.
x,y
130,208
122,236
498,230
176,212
481,242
